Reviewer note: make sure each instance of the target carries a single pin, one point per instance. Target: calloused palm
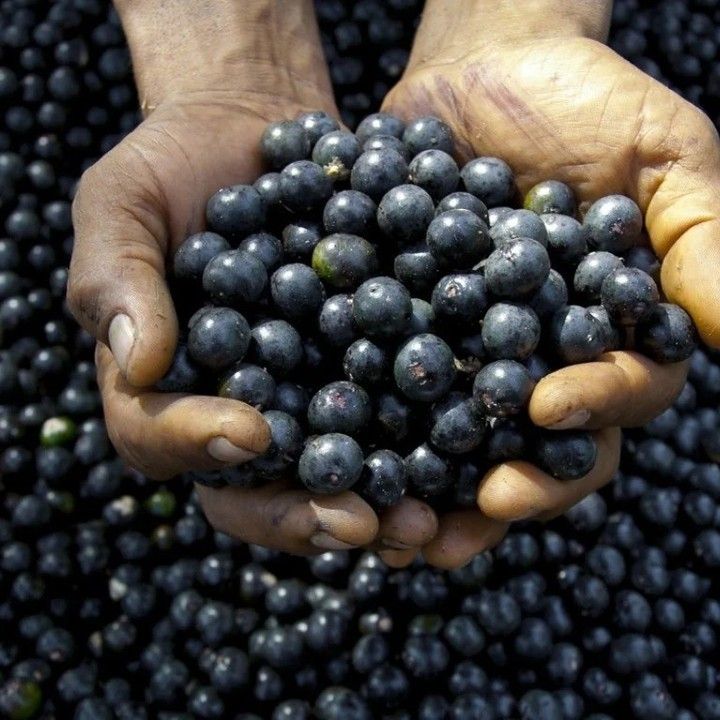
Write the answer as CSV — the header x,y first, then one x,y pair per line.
x,y
575,111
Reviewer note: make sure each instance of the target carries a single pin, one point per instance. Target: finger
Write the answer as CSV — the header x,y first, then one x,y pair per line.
x,y
518,490
683,220
621,389
398,558
689,277
406,526
460,536
282,518
116,283
163,434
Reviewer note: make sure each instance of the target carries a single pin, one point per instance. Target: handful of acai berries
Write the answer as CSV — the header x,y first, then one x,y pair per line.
x,y
391,313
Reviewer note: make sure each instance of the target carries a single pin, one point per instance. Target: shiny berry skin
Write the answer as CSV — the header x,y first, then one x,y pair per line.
x,y
283,143
517,268
550,196
460,429
376,172
417,269
297,291
330,463
424,368
379,124
567,239
404,213
234,277
349,211
336,321
219,338
250,384
489,179
382,307
613,340
344,261
339,407
428,133
276,346
592,271
614,223
435,171
427,473
519,224
304,186
503,387
566,454
460,298
383,480
666,334
458,239
299,239
628,294
268,185
464,201
195,253
387,142
550,297
336,152
575,335
264,246
235,212
510,331
317,123
365,363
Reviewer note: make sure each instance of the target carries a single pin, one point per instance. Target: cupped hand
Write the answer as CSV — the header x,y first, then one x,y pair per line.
x,y
132,210
573,110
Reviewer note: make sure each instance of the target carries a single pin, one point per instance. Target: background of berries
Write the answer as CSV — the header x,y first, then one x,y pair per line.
x,y
118,601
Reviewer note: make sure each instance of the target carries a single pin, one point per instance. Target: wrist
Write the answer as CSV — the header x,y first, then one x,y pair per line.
x,y
449,31
263,52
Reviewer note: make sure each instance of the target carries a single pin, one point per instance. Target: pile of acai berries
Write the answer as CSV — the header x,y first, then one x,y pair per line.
x,y
390,313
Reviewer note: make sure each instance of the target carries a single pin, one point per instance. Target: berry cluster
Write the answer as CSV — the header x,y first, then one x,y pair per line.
x,y
119,602
367,46
391,313
676,42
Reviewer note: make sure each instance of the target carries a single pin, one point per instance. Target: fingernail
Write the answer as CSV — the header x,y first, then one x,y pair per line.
x,y
392,544
121,335
222,449
328,542
329,517
577,419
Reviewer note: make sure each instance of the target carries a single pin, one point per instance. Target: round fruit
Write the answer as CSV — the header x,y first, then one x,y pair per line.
x,y
503,387
339,407
566,454
575,335
458,239
628,294
382,307
510,331
330,463
424,368
344,261
219,338
614,223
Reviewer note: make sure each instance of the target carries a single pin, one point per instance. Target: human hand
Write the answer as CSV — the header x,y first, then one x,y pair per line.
x,y
554,102
139,202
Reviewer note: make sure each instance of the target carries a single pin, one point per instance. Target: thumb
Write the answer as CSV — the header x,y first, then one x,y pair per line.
x,y
683,220
116,284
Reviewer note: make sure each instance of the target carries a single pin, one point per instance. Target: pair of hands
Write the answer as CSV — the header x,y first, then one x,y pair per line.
x,y
573,111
